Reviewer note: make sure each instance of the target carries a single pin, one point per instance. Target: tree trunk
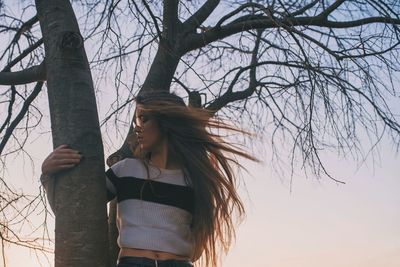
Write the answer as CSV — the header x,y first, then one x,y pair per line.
x,y
162,69
160,76
81,237
113,233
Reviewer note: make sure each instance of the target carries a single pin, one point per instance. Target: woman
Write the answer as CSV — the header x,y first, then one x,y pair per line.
x,y
177,197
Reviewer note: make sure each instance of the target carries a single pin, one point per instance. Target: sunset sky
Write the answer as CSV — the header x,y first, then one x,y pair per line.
x,y
305,222
317,224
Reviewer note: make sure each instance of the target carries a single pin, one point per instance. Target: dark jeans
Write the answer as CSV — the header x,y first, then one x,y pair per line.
x,y
146,262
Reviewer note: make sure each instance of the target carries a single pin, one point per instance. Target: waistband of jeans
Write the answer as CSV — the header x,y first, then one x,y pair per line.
x,y
155,263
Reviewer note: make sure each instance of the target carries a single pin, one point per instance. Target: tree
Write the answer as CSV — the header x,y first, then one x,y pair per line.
x,y
312,74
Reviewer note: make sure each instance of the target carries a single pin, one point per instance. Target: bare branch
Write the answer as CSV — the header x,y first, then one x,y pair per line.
x,y
170,19
153,17
10,108
201,15
21,114
24,27
249,22
32,74
237,11
356,23
331,8
303,9
229,95
22,55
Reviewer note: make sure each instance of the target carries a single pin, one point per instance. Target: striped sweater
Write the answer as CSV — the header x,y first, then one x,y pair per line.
x,y
153,213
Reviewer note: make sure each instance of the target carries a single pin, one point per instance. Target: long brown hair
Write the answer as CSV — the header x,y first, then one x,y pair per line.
x,y
193,137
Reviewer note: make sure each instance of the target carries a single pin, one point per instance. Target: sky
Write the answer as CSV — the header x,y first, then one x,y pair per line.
x,y
316,223
311,223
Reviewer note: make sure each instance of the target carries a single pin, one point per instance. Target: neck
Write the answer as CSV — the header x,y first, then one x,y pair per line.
x,y
162,158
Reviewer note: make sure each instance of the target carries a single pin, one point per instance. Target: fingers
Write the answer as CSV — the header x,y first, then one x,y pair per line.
x,y
65,161
64,149
65,167
61,158
54,165
61,146
66,155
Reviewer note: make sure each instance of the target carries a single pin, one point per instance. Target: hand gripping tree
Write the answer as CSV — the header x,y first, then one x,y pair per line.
x,y
312,73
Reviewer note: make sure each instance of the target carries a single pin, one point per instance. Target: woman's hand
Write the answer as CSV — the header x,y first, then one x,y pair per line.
x,y
62,158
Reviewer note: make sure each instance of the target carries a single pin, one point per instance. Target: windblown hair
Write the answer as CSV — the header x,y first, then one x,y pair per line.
x,y
203,154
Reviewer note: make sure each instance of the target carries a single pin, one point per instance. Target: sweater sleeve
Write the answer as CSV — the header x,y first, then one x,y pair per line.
x,y
48,185
112,177
111,183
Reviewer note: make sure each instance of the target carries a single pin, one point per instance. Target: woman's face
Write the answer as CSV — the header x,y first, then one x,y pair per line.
x,y
147,130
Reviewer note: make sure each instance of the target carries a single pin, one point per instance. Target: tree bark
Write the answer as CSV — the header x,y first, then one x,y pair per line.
x,y
164,65
163,68
81,237
160,76
169,50
113,233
